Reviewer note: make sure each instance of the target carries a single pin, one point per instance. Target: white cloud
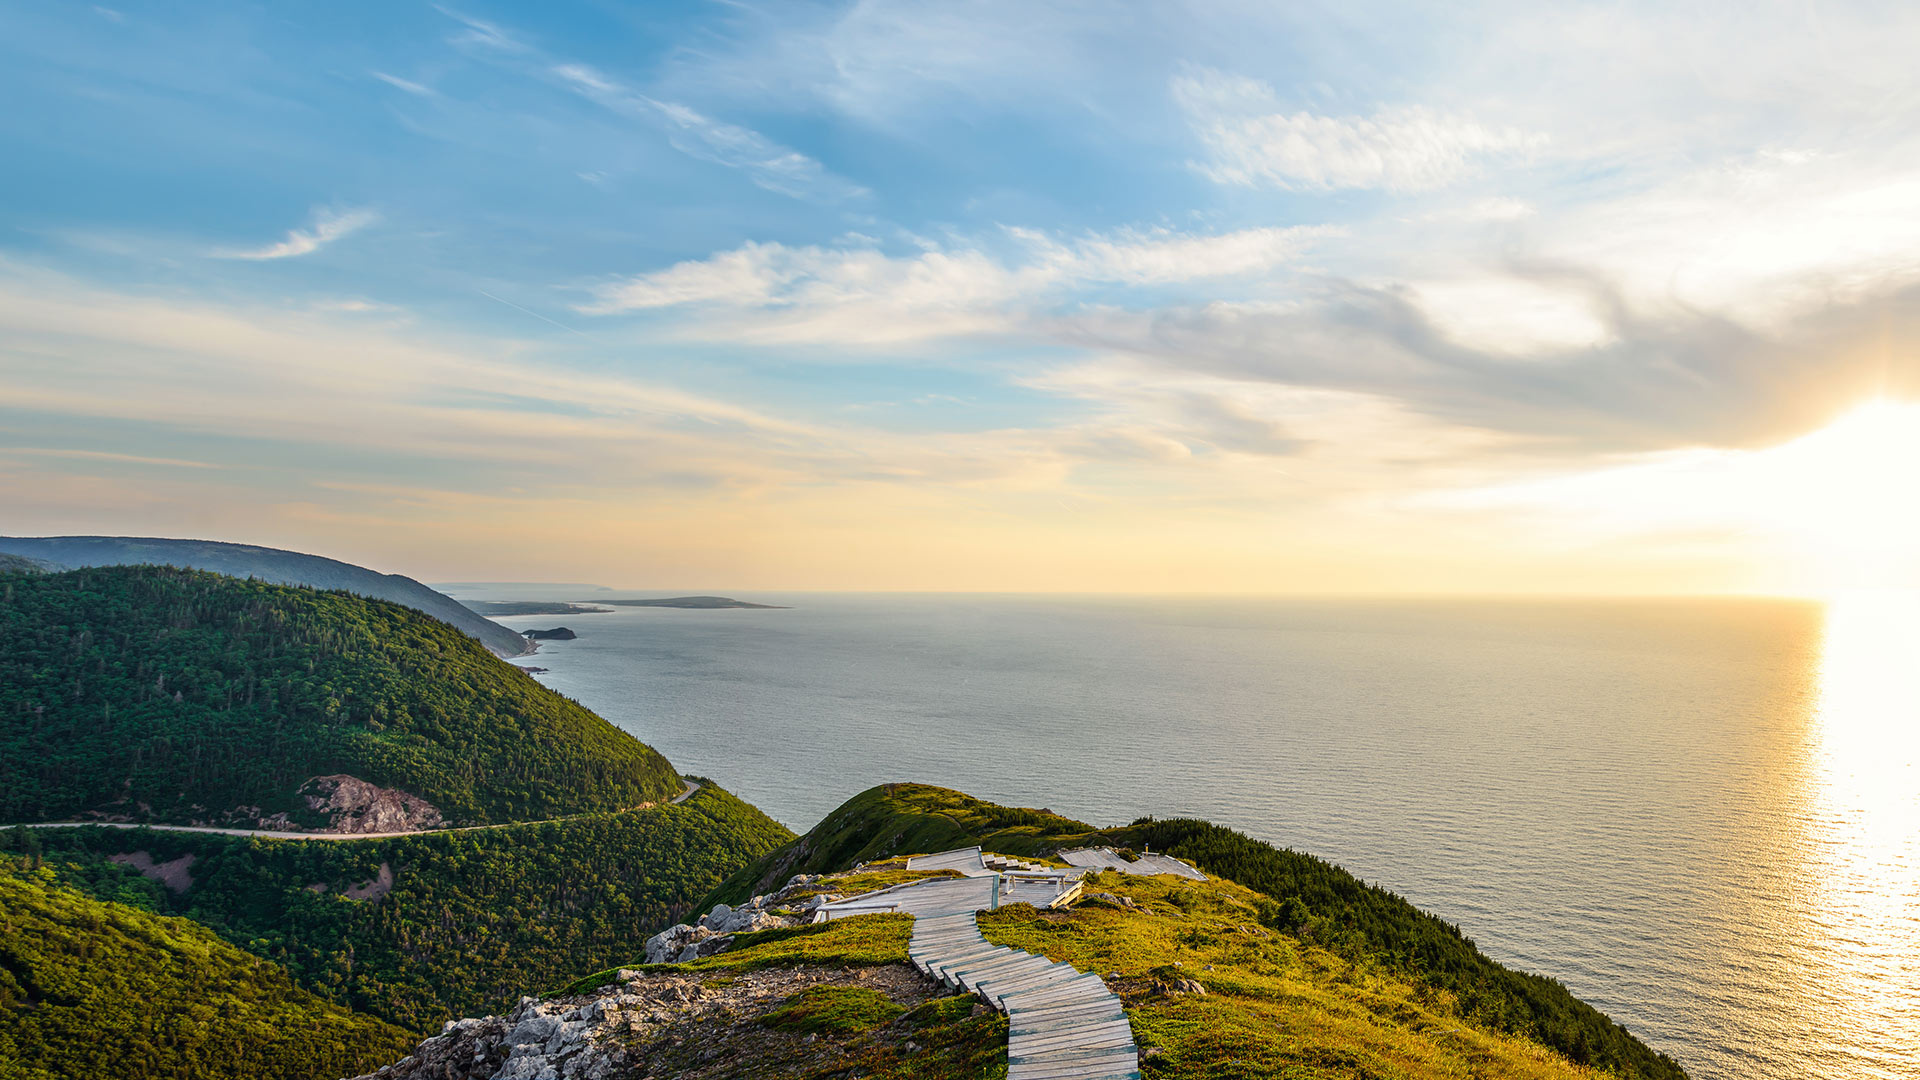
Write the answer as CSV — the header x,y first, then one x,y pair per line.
x,y
1399,148
328,226
408,85
1160,255
861,294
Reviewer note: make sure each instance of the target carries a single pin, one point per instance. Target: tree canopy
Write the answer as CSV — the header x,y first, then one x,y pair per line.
x,y
171,695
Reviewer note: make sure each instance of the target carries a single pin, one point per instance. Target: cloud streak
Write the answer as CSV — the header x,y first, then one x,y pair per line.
x,y
768,164
863,294
328,226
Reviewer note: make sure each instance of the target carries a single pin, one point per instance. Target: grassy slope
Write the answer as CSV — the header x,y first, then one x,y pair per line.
x,y
1307,898
896,818
473,919
174,688
99,990
947,1038
1274,1006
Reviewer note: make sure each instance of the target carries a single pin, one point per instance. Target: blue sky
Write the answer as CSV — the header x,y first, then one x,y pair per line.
x,y
968,295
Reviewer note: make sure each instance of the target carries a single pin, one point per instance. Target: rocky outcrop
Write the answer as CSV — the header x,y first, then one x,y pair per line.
x,y
354,806
714,931
558,633
688,1024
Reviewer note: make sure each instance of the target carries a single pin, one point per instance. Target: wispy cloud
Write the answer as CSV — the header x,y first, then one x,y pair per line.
x,y
106,455
328,226
408,85
1251,140
815,293
766,162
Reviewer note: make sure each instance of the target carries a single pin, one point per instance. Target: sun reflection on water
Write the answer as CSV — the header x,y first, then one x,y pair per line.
x,y
1864,835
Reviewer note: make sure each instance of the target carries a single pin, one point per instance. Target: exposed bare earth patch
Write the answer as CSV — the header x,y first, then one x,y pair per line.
x,y
375,889
176,875
372,889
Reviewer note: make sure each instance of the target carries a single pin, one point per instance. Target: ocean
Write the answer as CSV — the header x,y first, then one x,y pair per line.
x,y
1703,816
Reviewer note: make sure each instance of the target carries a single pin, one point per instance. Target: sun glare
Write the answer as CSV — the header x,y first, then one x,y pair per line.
x,y
1847,493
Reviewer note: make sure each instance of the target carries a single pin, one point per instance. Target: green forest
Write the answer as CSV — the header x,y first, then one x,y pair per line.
x,y
90,989
1312,900
473,919
170,695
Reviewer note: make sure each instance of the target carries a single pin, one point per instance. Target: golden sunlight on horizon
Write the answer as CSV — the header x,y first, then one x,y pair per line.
x,y
1827,513
1863,823
1846,493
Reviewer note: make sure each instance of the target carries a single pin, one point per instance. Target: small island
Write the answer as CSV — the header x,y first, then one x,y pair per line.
x,y
558,633
533,607
694,602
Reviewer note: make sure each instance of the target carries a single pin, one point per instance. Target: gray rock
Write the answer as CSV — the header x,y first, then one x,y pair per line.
x,y
535,1029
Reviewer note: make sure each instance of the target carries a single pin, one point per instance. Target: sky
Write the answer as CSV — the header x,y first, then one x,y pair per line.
x,y
1104,297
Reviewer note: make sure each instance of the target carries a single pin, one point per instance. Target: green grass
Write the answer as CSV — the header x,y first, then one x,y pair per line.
x,y
841,1010
1321,904
1273,1007
898,819
1306,899
863,939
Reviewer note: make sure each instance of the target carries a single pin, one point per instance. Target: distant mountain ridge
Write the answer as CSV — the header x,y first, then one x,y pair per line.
x,y
273,565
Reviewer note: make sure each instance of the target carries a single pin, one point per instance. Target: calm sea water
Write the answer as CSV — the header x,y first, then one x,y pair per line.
x,y
1702,816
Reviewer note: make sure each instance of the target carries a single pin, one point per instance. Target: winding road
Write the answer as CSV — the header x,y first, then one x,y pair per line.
x,y
266,834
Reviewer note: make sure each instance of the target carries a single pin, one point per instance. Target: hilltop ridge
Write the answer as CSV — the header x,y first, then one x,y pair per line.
x,y
273,565
145,693
1211,977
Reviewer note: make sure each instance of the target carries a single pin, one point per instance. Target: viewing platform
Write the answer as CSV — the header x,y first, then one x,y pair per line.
x,y
1063,1023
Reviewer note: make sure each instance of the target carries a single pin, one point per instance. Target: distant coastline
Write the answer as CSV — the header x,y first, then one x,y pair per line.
x,y
694,602
495,608
509,608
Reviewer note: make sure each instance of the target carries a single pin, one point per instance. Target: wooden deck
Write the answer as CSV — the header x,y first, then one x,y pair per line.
x,y
972,862
1108,859
1063,1023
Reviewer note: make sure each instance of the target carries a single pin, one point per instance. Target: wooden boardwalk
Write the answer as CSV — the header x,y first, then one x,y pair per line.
x,y
972,862
1103,858
1063,1023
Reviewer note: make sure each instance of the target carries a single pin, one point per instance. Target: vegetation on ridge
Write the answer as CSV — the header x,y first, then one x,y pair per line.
x,y
172,695
1308,899
91,990
473,919
1211,992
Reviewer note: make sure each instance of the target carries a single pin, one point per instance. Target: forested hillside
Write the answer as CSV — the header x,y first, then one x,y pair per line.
x,y
91,990
265,564
1310,899
166,695
468,921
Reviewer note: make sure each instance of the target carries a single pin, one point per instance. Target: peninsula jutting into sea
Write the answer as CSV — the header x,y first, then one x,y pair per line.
x,y
897,540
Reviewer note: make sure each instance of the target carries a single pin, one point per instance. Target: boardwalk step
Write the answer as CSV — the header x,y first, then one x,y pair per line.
x,y
1074,1070
1063,1023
